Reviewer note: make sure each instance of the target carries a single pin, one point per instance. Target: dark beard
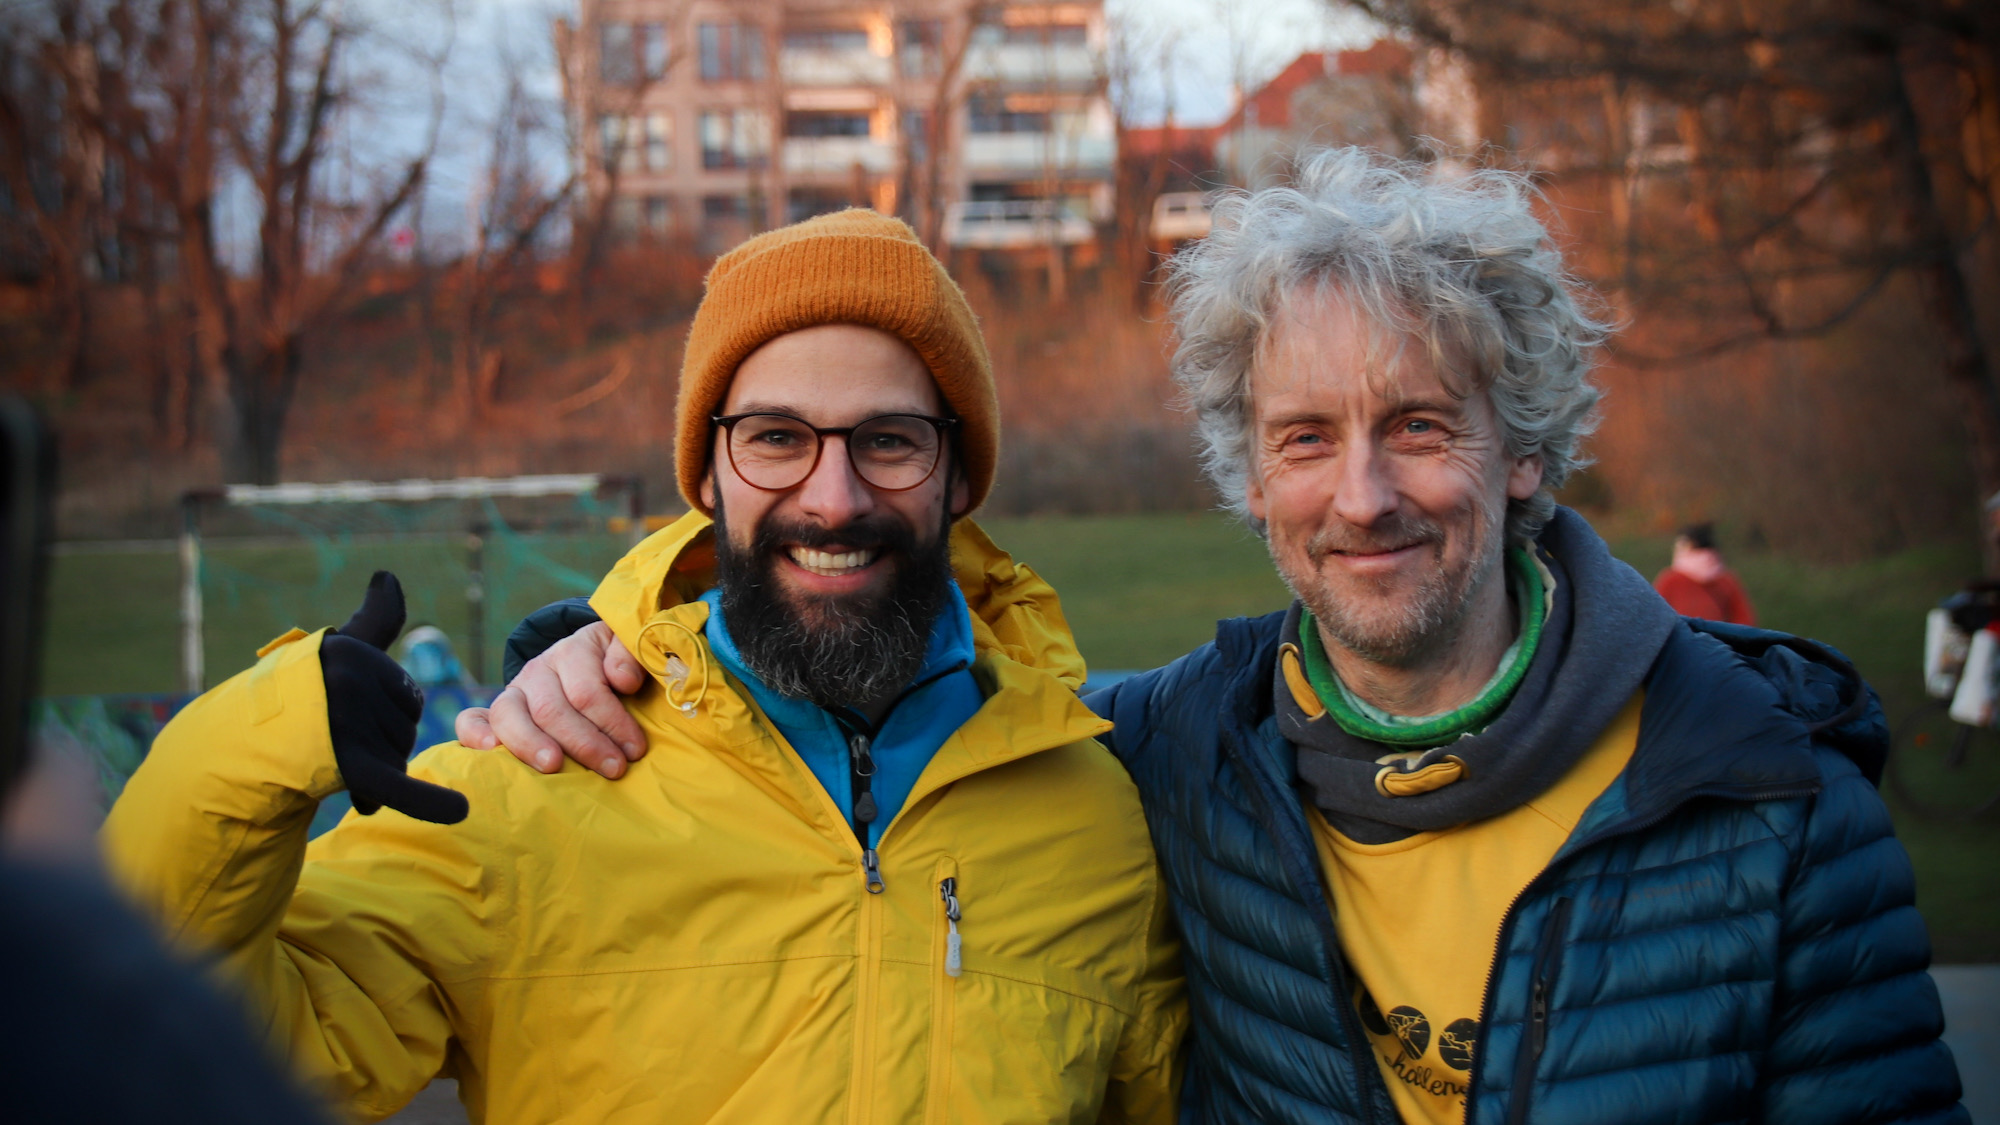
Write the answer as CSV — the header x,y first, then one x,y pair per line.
x,y
834,652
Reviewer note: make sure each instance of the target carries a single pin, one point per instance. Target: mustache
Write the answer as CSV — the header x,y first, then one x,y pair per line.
x,y
865,533
1392,534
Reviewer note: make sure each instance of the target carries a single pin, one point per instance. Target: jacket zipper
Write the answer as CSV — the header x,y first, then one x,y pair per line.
x,y
860,769
867,995
1507,919
944,993
1548,956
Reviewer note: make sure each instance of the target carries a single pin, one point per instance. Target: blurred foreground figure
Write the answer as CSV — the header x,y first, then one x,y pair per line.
x,y
868,862
1480,829
1697,584
97,1023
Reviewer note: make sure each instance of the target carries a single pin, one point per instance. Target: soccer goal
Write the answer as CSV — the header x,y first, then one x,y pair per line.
x,y
474,555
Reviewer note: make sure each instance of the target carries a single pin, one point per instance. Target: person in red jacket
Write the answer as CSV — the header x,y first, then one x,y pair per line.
x,y
1697,584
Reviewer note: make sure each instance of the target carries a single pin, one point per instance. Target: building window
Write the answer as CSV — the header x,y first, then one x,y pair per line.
x,y
1048,34
735,138
659,142
614,54
725,221
613,147
659,214
829,39
630,52
624,217
803,203
721,208
989,114
805,123
653,50
631,144
920,48
731,52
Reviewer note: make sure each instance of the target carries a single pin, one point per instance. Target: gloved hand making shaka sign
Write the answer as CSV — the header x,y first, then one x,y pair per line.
x,y
372,708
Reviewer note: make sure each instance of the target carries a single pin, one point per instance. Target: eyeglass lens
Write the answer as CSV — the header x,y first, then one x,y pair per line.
x,y
891,451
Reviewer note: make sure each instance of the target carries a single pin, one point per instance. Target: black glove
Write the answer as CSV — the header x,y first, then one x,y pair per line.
x,y
372,709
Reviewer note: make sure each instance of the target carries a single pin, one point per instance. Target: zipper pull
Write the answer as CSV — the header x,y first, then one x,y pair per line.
x,y
864,761
871,866
1538,1017
953,964
861,769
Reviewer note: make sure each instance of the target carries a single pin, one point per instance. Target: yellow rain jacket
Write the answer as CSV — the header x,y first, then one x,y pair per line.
x,y
695,942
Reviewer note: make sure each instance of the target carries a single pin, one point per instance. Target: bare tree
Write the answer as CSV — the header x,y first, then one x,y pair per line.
x,y
53,176
1140,67
928,154
228,113
1810,166
512,209
606,96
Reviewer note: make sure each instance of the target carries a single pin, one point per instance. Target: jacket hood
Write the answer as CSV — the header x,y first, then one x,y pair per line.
x,y
1015,612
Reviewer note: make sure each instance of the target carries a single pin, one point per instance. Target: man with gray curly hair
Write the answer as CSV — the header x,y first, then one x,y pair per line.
x,y
1480,829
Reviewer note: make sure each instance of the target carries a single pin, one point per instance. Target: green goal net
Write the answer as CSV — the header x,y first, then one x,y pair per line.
x,y
474,556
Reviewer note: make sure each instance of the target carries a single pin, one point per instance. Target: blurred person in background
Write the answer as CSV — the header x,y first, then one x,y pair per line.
x,y
1479,828
1697,584
98,1024
867,861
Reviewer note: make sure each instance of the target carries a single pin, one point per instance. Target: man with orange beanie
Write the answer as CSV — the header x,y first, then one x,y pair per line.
x,y
868,861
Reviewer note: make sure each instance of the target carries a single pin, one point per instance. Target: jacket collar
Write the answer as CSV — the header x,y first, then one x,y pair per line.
x,y
1026,661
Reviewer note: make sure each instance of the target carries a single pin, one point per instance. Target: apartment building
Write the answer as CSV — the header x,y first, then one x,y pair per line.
x,y
981,123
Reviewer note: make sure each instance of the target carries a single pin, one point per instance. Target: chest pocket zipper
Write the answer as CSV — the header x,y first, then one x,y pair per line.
x,y
954,964
944,992
1541,993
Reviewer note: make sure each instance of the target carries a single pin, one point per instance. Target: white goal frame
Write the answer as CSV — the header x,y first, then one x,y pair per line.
x,y
360,491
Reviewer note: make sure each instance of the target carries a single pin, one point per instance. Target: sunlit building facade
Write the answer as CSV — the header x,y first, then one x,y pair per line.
x,y
711,120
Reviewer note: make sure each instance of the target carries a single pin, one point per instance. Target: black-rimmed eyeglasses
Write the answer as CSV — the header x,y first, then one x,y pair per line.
x,y
892,452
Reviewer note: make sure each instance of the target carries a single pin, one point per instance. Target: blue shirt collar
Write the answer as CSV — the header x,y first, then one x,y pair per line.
x,y
950,646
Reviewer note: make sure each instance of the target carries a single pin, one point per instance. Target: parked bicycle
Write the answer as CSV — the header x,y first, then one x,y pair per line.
x,y
1945,760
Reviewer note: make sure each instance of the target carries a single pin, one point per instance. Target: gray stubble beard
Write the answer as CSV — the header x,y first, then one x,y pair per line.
x,y
1432,617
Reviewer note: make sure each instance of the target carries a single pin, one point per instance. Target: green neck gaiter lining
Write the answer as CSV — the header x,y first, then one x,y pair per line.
x,y
1436,730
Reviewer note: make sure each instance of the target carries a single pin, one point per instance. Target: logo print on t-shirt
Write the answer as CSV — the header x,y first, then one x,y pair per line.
x,y
1412,1030
1455,1044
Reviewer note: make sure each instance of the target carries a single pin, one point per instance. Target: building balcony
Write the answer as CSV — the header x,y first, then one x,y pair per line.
x,y
824,155
1061,66
1035,153
1015,224
802,67
1180,215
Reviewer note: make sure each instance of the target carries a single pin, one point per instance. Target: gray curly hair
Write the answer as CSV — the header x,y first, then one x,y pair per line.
x,y
1459,264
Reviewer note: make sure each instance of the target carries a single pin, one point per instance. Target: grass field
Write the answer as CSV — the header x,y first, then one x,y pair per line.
x,y
1138,590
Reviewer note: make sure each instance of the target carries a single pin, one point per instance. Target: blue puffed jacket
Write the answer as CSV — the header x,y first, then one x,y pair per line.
x,y
1728,936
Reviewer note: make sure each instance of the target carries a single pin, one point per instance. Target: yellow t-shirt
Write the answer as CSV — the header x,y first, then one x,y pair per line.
x,y
1420,919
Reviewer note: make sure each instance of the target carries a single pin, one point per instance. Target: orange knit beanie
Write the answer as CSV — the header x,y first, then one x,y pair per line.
x,y
852,267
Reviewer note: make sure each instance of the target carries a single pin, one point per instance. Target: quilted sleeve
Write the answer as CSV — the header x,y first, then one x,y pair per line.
x,y
540,630
1856,1021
